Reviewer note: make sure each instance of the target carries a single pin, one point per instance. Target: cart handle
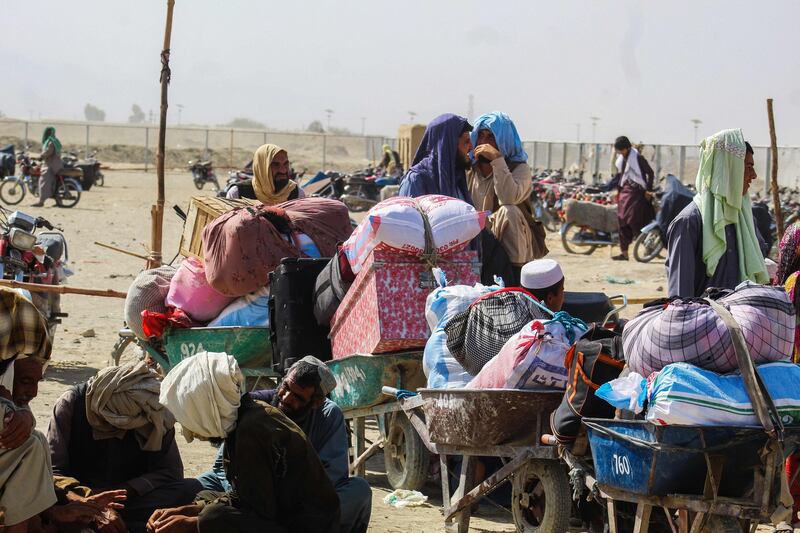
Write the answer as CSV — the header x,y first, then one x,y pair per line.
x,y
389,391
399,394
616,310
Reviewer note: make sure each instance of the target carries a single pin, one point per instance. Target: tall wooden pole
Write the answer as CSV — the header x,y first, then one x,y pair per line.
x,y
157,211
776,197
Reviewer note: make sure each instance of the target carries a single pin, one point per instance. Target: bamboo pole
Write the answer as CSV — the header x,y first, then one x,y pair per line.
x,y
776,196
123,251
157,211
61,289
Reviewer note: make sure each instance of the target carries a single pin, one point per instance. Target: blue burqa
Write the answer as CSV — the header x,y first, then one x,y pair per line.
x,y
435,169
505,135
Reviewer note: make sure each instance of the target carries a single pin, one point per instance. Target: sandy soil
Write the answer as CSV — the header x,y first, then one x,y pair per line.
x,y
119,214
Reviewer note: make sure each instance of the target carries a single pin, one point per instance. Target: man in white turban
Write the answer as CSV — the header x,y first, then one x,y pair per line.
x,y
277,482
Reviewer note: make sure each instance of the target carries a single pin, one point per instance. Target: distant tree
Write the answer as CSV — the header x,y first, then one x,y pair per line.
x,y
316,127
137,115
94,114
340,131
246,123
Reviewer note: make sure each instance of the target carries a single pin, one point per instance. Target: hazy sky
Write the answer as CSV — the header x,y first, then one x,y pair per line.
x,y
645,67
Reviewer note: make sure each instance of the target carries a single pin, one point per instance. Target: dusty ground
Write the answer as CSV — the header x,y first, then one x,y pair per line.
x,y
119,214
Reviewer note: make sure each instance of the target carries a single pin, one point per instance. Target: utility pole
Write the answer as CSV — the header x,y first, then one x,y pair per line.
x,y
594,128
411,116
696,122
471,108
329,112
578,132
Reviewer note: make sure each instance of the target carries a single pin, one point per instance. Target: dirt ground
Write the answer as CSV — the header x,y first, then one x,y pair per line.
x,y
118,214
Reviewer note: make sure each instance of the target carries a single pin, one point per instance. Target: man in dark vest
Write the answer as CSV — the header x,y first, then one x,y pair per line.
x,y
111,433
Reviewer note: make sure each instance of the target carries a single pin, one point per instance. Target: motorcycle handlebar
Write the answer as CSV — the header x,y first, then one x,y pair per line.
x,y
44,223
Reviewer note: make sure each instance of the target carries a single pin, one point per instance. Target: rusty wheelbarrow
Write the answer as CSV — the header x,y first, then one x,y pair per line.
x,y
499,423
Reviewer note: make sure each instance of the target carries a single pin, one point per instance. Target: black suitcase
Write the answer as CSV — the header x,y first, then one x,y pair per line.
x,y
293,328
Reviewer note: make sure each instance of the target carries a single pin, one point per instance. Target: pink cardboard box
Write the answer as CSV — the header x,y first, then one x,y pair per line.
x,y
384,310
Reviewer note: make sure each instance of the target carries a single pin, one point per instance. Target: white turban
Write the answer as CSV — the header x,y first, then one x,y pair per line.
x,y
203,392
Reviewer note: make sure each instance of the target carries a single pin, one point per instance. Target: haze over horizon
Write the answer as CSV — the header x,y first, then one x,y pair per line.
x,y
645,68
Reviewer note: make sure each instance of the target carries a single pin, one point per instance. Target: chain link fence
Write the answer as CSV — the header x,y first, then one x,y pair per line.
x,y
134,146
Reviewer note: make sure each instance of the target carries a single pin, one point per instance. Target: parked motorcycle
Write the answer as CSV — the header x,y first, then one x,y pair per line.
x,y
588,226
14,188
202,173
34,258
90,168
362,190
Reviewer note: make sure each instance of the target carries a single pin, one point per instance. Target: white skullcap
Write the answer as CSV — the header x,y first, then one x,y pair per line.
x,y
541,274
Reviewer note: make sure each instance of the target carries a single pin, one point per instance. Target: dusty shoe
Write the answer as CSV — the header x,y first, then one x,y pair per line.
x,y
620,257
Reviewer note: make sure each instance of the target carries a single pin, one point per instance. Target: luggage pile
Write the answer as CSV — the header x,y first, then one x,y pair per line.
x,y
372,294
685,369
248,253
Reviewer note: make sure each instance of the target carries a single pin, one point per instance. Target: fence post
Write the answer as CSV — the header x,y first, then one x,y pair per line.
x,y
230,162
549,155
768,173
596,173
146,147
682,166
534,156
658,161
564,158
206,150
86,153
26,135
265,137
324,151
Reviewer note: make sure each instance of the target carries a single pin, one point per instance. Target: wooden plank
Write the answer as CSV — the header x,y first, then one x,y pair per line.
x,y
642,522
465,483
202,211
360,463
612,516
360,441
381,409
683,521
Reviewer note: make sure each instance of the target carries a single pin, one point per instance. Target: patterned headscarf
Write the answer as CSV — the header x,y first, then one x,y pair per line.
x,y
264,181
789,254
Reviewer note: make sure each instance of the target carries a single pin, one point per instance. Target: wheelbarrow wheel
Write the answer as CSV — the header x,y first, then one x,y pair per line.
x,y
405,456
541,498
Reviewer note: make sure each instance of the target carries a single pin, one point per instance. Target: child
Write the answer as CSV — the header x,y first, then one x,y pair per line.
x,y
545,280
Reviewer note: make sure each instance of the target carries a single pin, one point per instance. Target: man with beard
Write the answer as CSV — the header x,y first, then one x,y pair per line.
x,y
500,182
271,183
441,161
301,397
277,482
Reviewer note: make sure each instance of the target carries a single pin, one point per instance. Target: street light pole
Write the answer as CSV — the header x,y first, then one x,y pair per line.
x,y
594,128
696,122
411,116
329,112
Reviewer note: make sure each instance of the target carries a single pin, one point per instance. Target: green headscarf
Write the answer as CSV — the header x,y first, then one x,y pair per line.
x,y
720,180
49,136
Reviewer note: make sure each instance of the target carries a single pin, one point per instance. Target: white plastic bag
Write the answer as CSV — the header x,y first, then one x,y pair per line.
x,y
625,393
439,365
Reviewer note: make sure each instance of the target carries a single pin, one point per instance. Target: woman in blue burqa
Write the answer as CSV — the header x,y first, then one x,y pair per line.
x,y
442,160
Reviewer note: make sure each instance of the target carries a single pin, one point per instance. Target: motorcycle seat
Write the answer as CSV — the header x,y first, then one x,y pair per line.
x,y
204,163
588,306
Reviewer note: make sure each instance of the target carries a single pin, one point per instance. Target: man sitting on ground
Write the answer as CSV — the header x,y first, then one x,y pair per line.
x,y
111,433
277,482
545,280
301,397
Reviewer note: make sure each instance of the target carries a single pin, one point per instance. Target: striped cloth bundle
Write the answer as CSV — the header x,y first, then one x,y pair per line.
x,y
690,331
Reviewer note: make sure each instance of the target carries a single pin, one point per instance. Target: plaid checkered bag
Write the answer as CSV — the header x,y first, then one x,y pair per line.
x,y
478,334
690,331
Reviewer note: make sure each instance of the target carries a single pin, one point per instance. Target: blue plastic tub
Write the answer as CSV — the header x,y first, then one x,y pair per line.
x,y
642,458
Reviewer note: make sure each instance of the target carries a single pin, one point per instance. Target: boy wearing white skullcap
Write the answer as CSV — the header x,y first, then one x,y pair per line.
x,y
545,280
